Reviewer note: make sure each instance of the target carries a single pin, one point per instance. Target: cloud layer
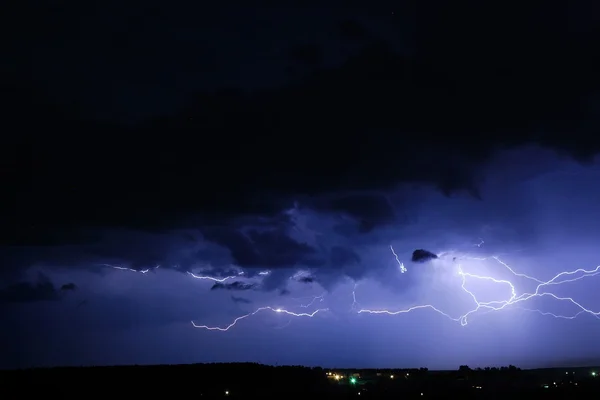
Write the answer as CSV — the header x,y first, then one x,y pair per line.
x,y
331,237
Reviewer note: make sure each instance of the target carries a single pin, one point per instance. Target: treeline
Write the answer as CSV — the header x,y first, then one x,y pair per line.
x,y
251,379
173,380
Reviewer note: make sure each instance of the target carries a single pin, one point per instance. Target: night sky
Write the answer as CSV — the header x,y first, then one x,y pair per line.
x,y
200,184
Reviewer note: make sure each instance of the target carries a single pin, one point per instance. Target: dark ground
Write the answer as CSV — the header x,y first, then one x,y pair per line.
x,y
247,380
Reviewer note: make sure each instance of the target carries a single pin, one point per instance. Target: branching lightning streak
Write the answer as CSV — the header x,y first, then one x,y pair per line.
x,y
205,277
514,299
400,263
314,299
142,271
211,278
288,323
290,314
354,302
275,310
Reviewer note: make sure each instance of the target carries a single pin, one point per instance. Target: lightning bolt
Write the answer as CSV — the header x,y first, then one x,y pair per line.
x,y
400,264
513,300
141,271
288,323
144,271
312,301
354,302
212,278
203,277
258,310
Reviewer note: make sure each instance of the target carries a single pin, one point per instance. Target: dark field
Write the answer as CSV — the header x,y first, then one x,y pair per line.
x,y
246,380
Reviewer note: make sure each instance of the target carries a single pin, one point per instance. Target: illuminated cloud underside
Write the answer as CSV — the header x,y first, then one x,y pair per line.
x,y
515,299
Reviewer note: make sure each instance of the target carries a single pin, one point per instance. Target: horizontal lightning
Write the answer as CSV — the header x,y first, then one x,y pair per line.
x,y
258,310
204,277
290,314
513,299
195,276
141,271
313,300
211,278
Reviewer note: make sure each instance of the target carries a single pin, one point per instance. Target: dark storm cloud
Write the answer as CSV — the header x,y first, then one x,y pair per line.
x,y
42,289
368,209
238,286
268,249
306,279
68,286
250,243
142,249
422,256
134,249
307,54
401,126
343,262
341,138
277,280
205,186
342,257
352,30
241,300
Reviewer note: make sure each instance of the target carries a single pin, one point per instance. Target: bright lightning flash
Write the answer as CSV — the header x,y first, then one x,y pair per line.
x,y
235,321
275,310
313,300
203,277
211,278
400,264
195,276
141,271
513,299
